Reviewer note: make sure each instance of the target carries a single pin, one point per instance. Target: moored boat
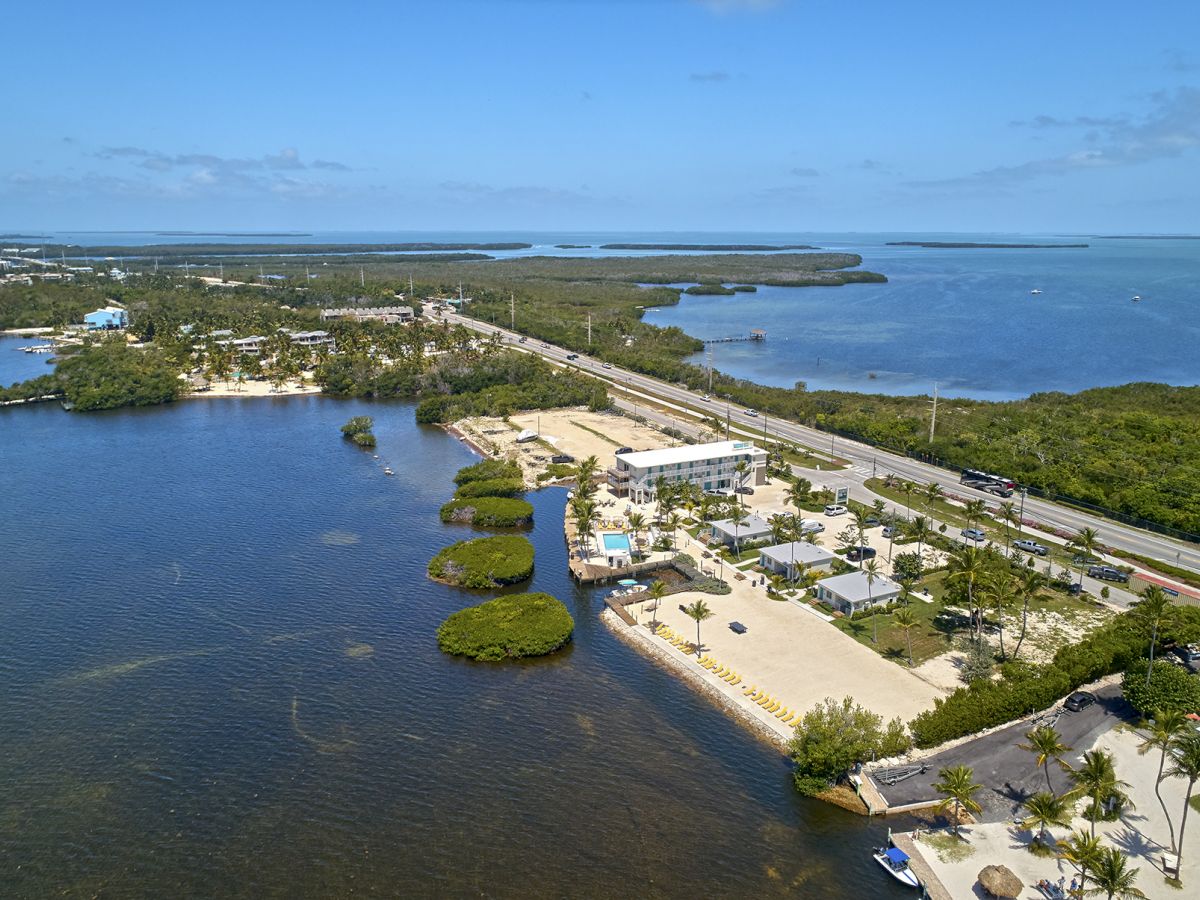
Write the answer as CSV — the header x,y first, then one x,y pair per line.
x,y
896,863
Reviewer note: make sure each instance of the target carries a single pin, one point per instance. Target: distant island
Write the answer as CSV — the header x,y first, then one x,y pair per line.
x,y
258,234
573,246
953,245
1148,237
740,248
194,250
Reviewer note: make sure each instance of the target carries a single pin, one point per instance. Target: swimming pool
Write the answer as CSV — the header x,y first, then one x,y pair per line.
x,y
616,542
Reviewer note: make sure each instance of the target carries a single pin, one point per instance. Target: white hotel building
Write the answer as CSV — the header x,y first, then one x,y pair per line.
x,y
711,467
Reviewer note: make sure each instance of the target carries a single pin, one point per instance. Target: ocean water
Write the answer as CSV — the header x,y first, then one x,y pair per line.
x,y
16,366
219,677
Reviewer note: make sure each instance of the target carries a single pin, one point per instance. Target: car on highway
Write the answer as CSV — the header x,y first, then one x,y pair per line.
x,y
1107,573
522,339
972,534
706,398
1031,547
608,365
1080,700
752,412
835,509
572,356
854,554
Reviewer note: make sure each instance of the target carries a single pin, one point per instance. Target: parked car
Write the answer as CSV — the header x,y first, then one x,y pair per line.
x,y
743,490
972,534
890,530
621,450
737,628
854,554
835,509
752,412
1030,547
811,526
1108,573
1189,655
562,458
1075,588
1079,700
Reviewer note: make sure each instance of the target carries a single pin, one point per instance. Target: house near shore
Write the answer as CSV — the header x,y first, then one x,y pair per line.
x,y
792,559
107,318
726,533
390,315
711,467
851,593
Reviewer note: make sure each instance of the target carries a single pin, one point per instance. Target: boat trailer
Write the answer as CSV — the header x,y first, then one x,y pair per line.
x,y
896,774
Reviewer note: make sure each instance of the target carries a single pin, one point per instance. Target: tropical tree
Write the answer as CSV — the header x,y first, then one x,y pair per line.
x,y
698,612
674,523
906,620
1043,810
584,511
871,570
1154,606
932,492
737,517
781,527
920,530
958,785
860,525
1185,763
1008,515
968,567
1029,585
1085,543
974,510
1096,778
1046,744
657,590
908,488
1081,851
637,524
1161,733
798,493
1113,876
1000,593
741,468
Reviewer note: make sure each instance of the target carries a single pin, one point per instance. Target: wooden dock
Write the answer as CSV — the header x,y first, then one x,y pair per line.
x,y
756,335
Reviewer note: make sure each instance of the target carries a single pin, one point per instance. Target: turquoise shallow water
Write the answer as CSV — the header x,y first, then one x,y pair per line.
x,y
218,677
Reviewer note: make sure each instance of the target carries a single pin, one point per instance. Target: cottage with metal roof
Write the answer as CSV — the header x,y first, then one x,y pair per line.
x,y
791,559
852,592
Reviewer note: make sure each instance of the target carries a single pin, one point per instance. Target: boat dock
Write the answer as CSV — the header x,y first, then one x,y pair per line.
x,y
756,335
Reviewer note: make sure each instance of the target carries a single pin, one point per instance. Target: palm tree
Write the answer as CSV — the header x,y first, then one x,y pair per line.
x,y
1185,763
1001,593
906,588
1112,876
1047,745
674,522
1043,810
871,570
737,516
968,567
1082,851
637,524
1097,778
698,612
908,488
860,525
1029,585
974,510
1154,606
798,493
958,784
1161,733
904,619
1009,516
584,511
741,468
781,527
585,473
1085,541
657,590
932,492
919,530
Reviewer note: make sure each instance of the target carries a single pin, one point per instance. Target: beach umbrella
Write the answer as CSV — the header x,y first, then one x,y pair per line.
x,y
1000,881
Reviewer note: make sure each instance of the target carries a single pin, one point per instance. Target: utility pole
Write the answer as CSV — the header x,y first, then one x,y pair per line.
x,y
589,329
933,417
726,420
410,286
512,310
708,353
362,277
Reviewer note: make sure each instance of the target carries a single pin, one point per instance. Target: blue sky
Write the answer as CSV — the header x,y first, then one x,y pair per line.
x,y
651,115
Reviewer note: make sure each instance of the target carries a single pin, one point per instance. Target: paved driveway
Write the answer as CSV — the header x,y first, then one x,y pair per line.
x,y
1008,773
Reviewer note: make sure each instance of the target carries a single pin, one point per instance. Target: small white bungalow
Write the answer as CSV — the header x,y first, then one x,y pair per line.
x,y
851,593
752,528
790,559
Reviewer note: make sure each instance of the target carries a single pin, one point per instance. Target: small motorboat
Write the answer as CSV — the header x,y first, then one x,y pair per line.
x,y
1136,298
388,471
1036,291
896,863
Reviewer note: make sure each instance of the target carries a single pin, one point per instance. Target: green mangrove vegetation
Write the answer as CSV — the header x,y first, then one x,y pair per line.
x,y
358,430
487,470
488,512
509,627
484,562
490,487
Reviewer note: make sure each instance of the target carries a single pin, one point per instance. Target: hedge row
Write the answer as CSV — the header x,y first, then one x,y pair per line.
x,y
1026,688
507,628
491,487
484,562
488,470
489,512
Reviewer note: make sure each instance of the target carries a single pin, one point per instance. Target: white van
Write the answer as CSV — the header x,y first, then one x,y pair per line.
x,y
811,526
835,509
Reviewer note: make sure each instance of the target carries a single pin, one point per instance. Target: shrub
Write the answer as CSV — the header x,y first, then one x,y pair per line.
x,y
358,425
488,470
836,736
363,439
507,628
490,512
490,487
484,562
1170,688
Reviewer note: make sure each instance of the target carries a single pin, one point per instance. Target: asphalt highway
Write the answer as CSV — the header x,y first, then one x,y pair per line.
x,y
864,460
